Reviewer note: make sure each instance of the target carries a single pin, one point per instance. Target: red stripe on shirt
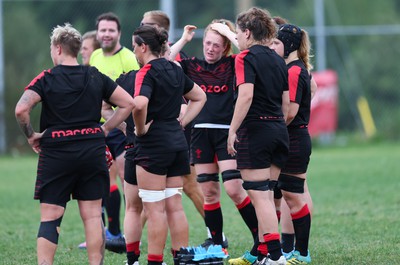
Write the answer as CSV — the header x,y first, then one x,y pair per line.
x,y
239,67
33,82
140,77
294,74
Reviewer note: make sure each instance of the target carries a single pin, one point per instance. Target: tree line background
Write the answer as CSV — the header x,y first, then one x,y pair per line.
x,y
366,64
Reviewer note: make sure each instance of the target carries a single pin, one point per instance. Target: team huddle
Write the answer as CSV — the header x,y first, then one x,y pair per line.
x,y
171,123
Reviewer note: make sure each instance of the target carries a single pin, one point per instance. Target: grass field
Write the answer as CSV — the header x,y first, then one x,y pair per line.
x,y
356,193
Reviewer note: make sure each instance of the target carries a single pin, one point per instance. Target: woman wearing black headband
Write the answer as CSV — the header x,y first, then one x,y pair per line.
x,y
292,43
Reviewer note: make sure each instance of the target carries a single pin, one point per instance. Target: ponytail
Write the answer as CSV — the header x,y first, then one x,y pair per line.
x,y
304,50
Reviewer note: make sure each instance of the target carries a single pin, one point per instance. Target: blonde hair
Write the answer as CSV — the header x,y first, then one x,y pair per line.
x,y
68,37
227,43
92,35
160,17
304,51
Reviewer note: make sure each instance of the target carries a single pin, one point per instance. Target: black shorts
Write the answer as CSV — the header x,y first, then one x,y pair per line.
x,y
116,140
170,164
299,151
130,167
72,168
188,132
208,145
262,143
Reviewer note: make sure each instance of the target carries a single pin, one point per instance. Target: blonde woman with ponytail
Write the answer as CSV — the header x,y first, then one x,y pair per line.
x,y
292,43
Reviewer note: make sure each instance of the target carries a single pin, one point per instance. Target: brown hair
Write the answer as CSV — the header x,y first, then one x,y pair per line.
x,y
259,22
110,16
154,37
280,20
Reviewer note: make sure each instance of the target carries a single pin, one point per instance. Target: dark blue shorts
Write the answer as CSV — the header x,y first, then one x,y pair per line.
x,y
116,141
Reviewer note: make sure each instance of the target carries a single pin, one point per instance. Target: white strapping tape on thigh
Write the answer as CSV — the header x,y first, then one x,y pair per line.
x,y
152,195
169,192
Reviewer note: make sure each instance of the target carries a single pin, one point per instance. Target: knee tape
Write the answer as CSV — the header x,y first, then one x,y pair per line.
x,y
152,195
207,177
230,174
50,230
291,183
259,185
169,192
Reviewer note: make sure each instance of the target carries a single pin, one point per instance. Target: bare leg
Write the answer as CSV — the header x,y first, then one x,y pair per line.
x,y
264,205
113,171
192,189
286,219
177,222
132,222
90,212
143,219
46,249
154,210
308,198
121,167
212,192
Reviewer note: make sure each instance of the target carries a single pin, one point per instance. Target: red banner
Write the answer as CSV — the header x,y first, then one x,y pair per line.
x,y
324,105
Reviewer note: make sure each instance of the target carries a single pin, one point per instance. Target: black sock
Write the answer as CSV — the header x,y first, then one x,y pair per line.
x,y
113,205
254,249
302,224
248,213
273,245
214,221
262,251
154,263
175,256
132,257
287,242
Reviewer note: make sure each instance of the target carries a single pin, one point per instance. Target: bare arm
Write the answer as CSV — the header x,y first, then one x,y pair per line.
x,y
187,36
314,87
140,115
183,111
293,110
125,104
26,103
107,111
225,31
243,103
285,104
197,98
